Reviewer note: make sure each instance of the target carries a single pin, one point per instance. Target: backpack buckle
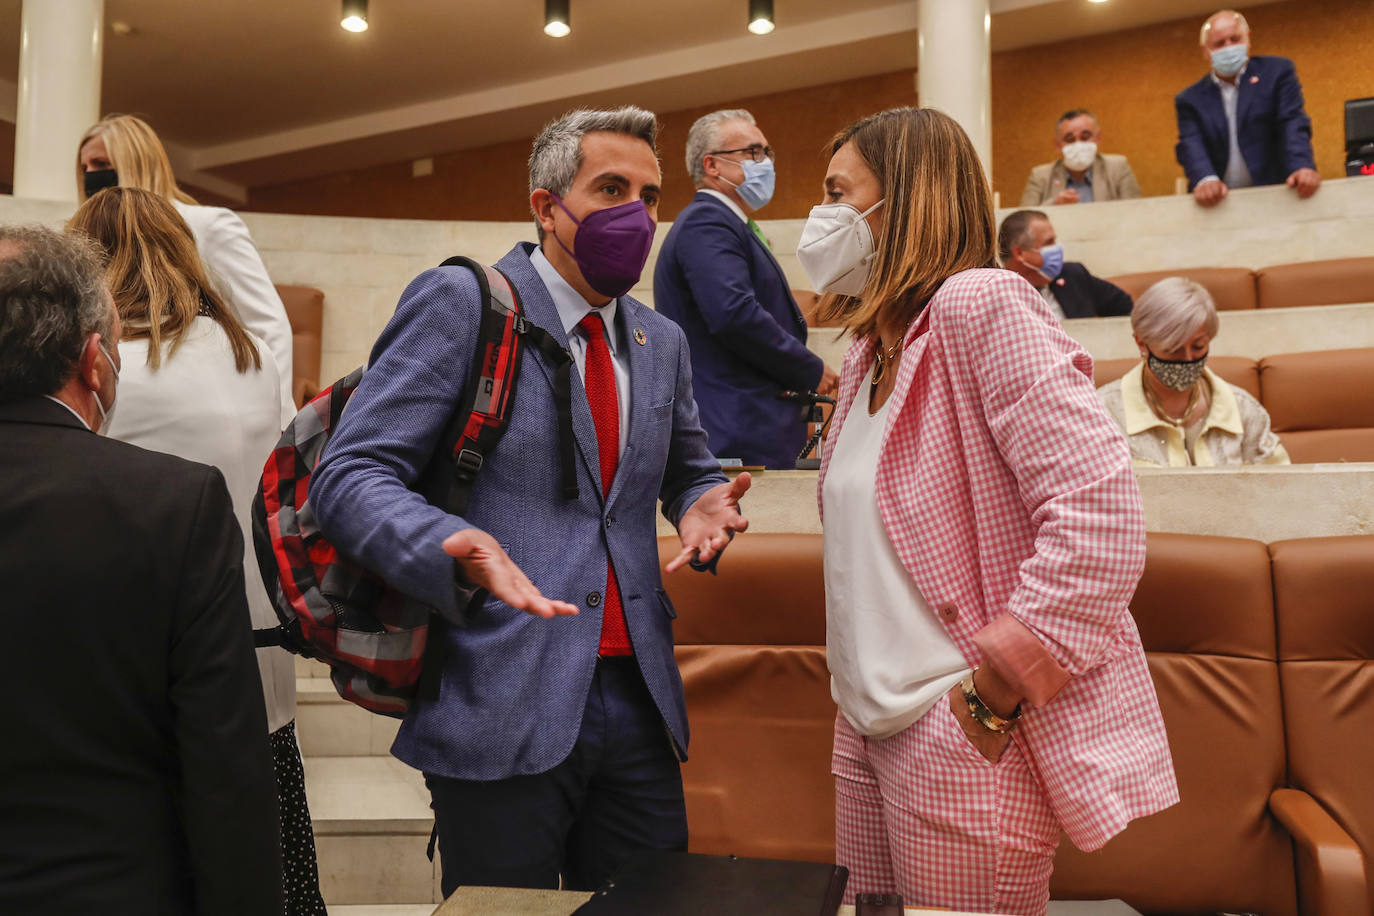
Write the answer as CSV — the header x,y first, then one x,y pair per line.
x,y
468,462
522,324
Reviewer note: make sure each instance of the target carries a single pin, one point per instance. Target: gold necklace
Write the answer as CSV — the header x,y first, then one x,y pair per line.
x,y
881,359
1194,395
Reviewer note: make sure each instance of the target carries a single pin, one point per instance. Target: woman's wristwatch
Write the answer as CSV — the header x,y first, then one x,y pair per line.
x,y
984,715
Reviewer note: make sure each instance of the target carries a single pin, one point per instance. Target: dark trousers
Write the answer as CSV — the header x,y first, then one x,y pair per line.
x,y
618,792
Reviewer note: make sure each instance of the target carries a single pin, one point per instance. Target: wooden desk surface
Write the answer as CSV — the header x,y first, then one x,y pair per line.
x,y
505,901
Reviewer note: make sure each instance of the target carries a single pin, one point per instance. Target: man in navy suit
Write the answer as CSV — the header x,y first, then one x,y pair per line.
x,y
1027,245
717,278
550,719
1243,123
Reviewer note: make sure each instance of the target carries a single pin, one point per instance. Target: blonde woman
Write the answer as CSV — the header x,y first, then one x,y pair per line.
x,y
1175,411
124,151
194,383
983,536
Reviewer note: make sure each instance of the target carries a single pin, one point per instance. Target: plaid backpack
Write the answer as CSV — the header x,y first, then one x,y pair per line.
x,y
331,608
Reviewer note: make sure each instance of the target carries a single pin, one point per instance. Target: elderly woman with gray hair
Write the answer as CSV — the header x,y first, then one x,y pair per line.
x,y
1175,411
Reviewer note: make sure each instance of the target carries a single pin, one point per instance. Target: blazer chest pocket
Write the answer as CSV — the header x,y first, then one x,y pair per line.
x,y
662,411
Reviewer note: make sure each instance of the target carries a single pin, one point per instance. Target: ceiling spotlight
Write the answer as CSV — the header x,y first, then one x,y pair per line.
x,y
1097,1
557,22
761,16
354,15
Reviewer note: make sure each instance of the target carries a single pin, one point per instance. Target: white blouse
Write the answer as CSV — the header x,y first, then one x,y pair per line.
x,y
197,406
890,658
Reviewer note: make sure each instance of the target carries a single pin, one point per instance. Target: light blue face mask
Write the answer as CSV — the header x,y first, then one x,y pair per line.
x,y
757,188
1052,260
1230,60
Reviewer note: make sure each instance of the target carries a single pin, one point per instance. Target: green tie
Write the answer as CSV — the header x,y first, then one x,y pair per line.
x,y
759,232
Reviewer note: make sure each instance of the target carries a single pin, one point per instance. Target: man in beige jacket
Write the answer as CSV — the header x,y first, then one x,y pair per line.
x,y
1081,174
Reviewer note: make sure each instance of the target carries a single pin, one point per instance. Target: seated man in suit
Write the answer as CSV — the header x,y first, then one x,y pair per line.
x,y
1243,123
135,774
717,278
550,722
1026,245
1081,174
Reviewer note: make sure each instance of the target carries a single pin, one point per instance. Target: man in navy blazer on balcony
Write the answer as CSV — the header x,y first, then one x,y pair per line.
x,y
718,279
550,719
1243,123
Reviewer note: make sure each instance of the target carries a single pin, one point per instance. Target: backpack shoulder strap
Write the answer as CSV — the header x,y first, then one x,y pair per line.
x,y
484,412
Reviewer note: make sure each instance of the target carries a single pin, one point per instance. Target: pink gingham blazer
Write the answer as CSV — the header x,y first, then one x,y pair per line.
x,y
1008,493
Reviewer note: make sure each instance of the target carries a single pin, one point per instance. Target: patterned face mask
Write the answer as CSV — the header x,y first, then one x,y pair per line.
x,y
1179,375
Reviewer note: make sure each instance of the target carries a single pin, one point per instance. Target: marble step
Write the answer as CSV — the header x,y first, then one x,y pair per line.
x,y
372,824
328,726
383,909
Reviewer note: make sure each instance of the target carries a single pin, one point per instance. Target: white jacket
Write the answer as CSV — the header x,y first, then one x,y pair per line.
x,y
197,406
237,271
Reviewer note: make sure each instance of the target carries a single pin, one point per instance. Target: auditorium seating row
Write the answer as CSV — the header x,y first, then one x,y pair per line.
x,y
1321,404
1261,657
1333,282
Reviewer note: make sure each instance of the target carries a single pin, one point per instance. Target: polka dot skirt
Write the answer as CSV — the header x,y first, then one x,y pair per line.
x,y
299,871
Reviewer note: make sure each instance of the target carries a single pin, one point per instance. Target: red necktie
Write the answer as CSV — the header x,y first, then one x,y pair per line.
x,y
599,381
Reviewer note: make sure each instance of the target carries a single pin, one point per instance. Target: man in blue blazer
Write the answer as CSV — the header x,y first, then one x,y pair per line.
x,y
550,718
1243,123
717,278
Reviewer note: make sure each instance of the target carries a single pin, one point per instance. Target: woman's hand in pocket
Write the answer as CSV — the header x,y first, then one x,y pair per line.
x,y
988,743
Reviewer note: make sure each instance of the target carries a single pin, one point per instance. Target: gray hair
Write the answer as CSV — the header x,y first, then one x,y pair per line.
x,y
1016,231
52,298
1207,26
1169,313
557,152
705,137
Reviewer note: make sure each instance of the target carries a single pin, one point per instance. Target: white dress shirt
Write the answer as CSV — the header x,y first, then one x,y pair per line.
x,y
572,308
198,406
1237,172
889,656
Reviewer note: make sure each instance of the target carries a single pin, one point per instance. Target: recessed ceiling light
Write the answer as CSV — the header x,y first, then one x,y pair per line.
x,y
761,16
557,18
354,15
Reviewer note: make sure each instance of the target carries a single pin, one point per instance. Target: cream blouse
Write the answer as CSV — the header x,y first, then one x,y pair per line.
x,y
1235,430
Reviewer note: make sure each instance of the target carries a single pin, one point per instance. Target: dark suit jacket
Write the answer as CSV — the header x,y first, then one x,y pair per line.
x,y
748,338
1081,295
503,694
135,774
1273,129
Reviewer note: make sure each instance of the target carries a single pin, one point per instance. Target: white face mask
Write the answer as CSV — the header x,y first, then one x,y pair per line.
x,y
836,248
1079,155
107,413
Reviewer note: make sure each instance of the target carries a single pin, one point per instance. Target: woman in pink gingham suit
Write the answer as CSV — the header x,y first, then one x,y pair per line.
x,y
1009,540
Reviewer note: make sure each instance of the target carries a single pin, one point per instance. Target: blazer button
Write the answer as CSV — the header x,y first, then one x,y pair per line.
x,y
609,520
593,599
948,612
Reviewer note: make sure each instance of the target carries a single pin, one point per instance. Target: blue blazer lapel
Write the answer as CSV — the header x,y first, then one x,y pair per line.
x,y
751,239
539,308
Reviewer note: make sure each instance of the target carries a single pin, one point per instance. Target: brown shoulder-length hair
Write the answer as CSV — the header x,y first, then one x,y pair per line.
x,y
136,154
155,274
937,214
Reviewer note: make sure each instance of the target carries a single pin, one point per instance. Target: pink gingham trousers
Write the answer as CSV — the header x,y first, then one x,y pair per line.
x,y
924,815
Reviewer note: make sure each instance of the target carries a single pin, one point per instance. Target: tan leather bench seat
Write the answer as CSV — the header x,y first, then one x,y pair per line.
x,y
1333,282
1321,403
1232,288
305,311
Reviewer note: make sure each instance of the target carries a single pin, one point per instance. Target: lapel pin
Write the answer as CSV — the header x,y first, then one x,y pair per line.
x,y
639,336
1254,80
1059,282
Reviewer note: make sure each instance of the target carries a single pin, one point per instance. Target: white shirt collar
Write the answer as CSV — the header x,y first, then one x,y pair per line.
x,y
743,217
572,308
69,410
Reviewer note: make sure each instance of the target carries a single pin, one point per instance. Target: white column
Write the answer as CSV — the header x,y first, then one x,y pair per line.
x,y
60,44
954,70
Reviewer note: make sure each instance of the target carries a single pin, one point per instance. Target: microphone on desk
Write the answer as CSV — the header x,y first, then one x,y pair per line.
x,y
812,412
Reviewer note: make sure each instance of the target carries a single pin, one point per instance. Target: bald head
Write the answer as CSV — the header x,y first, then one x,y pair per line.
x,y
1222,28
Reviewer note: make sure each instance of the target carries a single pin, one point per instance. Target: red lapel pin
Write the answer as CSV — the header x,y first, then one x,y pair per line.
x,y
1254,80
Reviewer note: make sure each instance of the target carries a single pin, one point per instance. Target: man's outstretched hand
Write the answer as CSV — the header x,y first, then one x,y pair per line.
x,y
486,565
706,528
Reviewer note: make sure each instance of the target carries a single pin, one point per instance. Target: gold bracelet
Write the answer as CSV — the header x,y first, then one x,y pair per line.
x,y
980,711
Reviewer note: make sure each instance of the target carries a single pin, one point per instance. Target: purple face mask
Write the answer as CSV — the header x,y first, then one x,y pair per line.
x,y
611,245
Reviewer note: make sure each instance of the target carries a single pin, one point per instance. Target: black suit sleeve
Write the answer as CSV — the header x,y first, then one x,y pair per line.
x,y
1108,298
229,795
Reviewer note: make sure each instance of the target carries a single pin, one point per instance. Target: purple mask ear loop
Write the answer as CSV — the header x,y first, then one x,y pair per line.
x,y
576,222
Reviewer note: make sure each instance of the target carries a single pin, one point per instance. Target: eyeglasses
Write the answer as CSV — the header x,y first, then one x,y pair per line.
x,y
755,152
